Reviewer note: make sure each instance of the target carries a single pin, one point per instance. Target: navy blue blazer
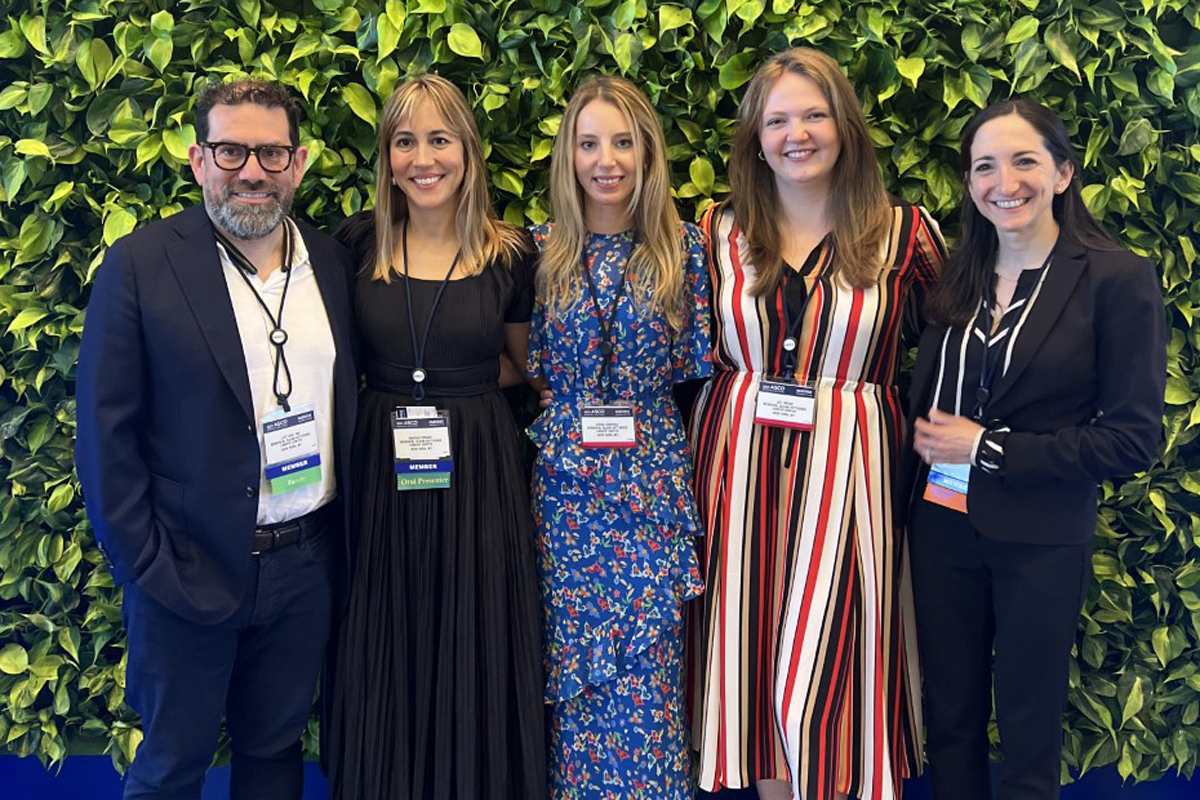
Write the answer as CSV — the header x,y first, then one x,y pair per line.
x,y
1083,396
166,441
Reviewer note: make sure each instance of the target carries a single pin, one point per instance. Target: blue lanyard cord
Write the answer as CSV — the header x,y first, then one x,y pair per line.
x,y
993,354
278,336
418,373
607,346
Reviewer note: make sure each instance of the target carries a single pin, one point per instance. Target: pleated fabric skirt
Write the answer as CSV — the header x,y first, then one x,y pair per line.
x,y
436,683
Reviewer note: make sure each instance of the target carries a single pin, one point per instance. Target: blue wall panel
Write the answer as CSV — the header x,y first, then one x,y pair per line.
x,y
93,778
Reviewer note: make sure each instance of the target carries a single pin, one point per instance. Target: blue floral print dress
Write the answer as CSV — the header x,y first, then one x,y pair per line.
x,y
615,531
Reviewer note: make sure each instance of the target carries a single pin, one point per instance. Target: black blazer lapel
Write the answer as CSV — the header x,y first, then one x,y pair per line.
x,y
1063,274
197,267
331,269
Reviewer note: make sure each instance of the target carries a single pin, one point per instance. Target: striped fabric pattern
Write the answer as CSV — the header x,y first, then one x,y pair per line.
x,y
805,656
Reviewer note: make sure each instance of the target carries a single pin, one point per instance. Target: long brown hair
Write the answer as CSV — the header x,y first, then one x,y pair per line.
x,y
657,259
858,204
960,289
482,237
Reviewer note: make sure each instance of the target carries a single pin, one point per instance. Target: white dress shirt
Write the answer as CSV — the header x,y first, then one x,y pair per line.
x,y
310,355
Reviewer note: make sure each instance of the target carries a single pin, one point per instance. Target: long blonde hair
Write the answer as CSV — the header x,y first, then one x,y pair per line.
x,y
858,204
657,260
482,237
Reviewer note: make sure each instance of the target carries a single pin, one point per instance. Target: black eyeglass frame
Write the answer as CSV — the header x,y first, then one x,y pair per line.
x,y
251,151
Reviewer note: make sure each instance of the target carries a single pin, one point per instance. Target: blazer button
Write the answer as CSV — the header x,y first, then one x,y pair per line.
x,y
250,428
249,491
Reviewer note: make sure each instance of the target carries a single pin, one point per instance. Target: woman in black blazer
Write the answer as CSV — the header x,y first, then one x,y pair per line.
x,y
1041,374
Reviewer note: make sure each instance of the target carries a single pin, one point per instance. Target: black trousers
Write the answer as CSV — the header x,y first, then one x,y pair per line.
x,y
993,615
258,670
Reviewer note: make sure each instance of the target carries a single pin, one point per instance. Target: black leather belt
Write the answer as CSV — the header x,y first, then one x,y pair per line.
x,y
282,534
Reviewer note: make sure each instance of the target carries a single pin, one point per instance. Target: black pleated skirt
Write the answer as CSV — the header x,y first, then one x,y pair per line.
x,y
436,683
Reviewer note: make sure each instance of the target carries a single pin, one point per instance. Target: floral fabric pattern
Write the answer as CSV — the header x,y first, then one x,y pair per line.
x,y
615,531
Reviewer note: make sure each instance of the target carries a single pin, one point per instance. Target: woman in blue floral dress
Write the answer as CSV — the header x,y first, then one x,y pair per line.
x,y
622,314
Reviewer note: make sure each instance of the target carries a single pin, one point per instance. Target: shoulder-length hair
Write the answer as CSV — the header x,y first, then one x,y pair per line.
x,y
658,253
859,207
482,237
970,268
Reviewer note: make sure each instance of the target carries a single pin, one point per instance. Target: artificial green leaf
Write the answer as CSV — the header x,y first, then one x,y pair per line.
x,y
672,17
737,70
13,659
1022,29
118,223
464,41
911,69
360,101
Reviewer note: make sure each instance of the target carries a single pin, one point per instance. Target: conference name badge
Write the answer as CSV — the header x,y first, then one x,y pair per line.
x,y
292,448
786,405
608,425
947,485
421,437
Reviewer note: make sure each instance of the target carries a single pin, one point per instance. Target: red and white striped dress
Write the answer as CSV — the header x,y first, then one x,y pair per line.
x,y
805,655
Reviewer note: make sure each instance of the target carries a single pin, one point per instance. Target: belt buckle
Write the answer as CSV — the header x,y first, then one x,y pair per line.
x,y
262,532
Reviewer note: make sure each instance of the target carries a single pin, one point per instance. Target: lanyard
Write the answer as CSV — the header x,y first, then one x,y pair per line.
x,y
605,320
992,355
418,373
792,326
277,336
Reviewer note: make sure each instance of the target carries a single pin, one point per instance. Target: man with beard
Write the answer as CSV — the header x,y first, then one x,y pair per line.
x,y
216,395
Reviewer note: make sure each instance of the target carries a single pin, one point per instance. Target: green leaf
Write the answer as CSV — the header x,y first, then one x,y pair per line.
x,y
27,317
159,51
509,181
360,101
1133,703
737,70
1178,393
32,147
118,223
701,173
178,140
1059,49
1137,136
911,69
162,24
12,44
1160,639
672,17
12,96
1024,28
464,41
34,29
388,33
622,51
13,659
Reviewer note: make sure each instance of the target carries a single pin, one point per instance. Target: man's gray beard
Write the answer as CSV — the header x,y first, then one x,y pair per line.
x,y
243,221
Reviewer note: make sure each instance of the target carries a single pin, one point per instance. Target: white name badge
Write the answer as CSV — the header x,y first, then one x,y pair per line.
x,y
786,405
292,448
608,426
421,439
947,485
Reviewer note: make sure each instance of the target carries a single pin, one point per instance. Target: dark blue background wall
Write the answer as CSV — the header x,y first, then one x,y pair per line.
x,y
93,778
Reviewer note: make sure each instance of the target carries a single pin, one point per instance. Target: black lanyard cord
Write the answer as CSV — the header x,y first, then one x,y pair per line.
x,y
278,336
418,373
791,326
993,354
607,350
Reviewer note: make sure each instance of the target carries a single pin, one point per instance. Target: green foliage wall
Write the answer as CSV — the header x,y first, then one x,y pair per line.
x,y
94,128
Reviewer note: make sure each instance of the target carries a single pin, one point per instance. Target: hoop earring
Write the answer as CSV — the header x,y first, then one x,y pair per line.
x,y
761,157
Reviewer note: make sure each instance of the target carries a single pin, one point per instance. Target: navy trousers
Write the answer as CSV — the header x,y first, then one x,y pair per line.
x,y
993,616
258,671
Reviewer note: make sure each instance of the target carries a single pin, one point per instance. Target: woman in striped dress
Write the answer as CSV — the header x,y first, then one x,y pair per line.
x,y
806,662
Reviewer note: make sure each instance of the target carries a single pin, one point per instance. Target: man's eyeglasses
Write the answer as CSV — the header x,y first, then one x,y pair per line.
x,y
232,156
